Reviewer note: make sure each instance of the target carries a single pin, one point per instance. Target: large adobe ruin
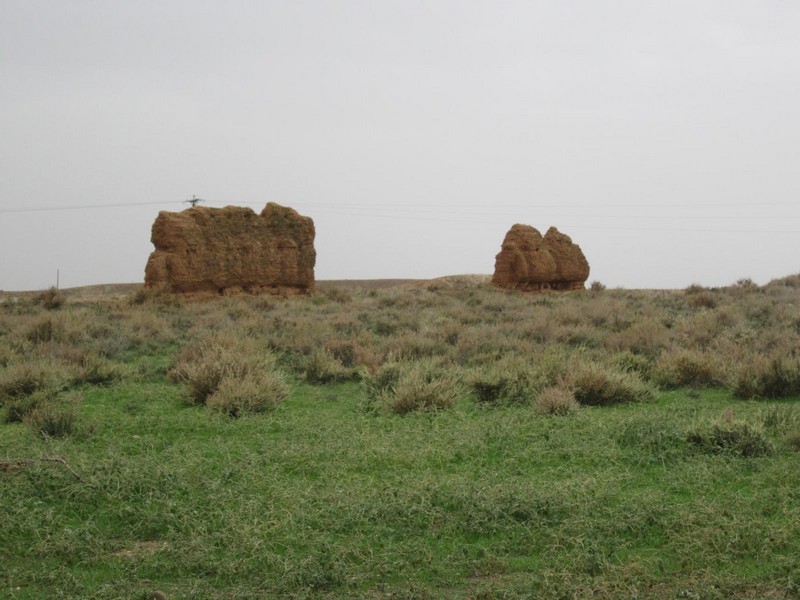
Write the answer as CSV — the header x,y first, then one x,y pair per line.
x,y
222,250
529,261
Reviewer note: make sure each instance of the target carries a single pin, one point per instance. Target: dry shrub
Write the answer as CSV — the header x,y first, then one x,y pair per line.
x,y
600,310
414,345
595,384
41,330
695,289
423,388
486,344
18,409
730,435
54,418
97,370
205,364
160,295
82,365
647,336
679,367
346,352
336,294
323,367
569,314
383,381
597,286
140,329
7,354
779,418
515,380
358,352
539,329
580,336
257,392
51,299
24,378
791,282
347,324
703,300
296,338
404,387
628,361
504,384
464,316
64,327
447,331
744,286
389,324
558,400
762,377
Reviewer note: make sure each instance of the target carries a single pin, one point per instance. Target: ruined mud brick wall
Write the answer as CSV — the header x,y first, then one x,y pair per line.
x,y
221,250
531,262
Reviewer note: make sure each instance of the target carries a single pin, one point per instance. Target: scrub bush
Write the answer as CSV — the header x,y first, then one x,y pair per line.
x,y
51,299
323,367
204,365
18,409
598,385
775,377
257,392
681,367
21,379
407,387
53,419
558,400
731,435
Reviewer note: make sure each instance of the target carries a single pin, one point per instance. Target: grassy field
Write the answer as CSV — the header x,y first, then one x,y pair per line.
x,y
417,441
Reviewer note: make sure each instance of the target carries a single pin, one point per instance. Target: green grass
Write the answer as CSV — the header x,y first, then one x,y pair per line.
x,y
323,499
647,489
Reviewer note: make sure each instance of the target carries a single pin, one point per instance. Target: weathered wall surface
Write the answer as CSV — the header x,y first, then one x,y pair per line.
x,y
222,250
531,262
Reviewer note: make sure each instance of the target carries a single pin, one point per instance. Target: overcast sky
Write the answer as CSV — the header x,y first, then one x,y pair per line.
x,y
663,137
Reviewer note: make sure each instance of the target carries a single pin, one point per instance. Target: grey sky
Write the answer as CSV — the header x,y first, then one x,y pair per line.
x,y
663,137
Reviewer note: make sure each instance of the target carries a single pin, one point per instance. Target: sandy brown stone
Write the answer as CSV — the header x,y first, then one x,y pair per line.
x,y
531,262
232,249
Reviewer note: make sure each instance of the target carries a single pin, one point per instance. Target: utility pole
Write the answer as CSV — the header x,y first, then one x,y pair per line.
x,y
194,200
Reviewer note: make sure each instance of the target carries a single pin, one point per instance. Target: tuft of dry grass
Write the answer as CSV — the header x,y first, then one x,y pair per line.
x,y
204,365
680,367
323,367
257,392
53,418
768,377
597,385
159,295
558,400
19,409
422,386
731,435
51,299
21,379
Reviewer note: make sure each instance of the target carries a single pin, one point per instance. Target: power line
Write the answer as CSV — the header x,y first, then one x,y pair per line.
x,y
446,206
474,208
401,213
80,207
427,213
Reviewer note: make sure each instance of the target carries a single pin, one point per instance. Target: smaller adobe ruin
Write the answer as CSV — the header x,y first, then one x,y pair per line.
x,y
529,261
205,250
